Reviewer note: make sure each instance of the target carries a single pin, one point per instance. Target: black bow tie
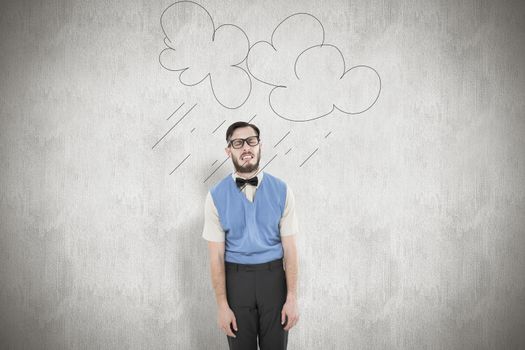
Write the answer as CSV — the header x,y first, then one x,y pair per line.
x,y
241,182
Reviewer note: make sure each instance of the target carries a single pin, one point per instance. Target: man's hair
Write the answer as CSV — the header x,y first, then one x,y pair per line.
x,y
237,125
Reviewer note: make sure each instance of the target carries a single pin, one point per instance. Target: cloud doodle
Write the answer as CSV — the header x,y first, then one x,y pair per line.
x,y
310,78
199,51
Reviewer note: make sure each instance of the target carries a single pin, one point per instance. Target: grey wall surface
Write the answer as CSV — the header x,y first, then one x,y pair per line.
x,y
412,213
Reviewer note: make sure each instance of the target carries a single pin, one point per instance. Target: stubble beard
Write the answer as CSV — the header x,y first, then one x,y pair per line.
x,y
246,168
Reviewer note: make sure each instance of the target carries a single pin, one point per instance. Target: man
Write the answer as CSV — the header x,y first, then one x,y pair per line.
x,y
250,225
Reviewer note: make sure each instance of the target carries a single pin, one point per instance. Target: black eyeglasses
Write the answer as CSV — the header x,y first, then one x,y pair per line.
x,y
238,143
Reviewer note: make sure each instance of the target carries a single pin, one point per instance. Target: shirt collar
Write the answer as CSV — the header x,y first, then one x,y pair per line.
x,y
259,176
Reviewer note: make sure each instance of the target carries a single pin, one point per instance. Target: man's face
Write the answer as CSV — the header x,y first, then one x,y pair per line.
x,y
245,159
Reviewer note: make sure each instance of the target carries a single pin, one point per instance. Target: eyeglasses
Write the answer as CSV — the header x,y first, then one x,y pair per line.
x,y
238,143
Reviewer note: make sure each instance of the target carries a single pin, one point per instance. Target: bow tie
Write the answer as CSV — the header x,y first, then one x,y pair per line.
x,y
241,182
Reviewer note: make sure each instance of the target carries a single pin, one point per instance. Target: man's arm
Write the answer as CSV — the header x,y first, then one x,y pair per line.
x,y
290,311
290,265
289,228
218,276
214,234
225,316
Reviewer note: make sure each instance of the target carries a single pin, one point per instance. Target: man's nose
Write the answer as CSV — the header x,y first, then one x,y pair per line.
x,y
246,147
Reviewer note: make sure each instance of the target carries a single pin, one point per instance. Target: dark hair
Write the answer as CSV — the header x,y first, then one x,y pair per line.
x,y
237,125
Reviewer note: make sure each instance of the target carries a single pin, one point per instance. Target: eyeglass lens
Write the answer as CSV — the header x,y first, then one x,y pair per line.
x,y
238,143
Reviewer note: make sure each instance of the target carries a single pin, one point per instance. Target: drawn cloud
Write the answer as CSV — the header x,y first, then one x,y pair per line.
x,y
310,78
199,50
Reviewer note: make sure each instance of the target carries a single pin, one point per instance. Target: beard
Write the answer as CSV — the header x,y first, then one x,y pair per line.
x,y
246,167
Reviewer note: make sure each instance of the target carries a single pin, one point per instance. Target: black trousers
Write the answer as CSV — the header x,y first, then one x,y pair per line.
x,y
256,294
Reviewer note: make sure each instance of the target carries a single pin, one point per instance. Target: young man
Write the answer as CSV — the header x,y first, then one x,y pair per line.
x,y
250,225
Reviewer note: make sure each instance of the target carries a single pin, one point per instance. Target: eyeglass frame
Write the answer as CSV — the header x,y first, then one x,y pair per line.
x,y
230,143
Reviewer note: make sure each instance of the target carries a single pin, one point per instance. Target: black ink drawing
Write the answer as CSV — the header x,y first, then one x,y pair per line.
x,y
218,126
282,138
175,111
310,78
213,172
178,121
267,163
199,51
309,157
180,163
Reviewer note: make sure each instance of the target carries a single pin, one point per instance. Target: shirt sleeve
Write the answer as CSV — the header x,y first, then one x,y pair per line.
x,y
289,224
212,230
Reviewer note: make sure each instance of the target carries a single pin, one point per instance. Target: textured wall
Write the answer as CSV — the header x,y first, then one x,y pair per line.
x,y
412,213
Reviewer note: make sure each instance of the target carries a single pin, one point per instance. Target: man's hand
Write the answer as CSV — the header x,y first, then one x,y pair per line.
x,y
291,311
225,317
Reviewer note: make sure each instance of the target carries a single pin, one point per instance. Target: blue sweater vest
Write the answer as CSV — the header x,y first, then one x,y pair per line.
x,y
252,234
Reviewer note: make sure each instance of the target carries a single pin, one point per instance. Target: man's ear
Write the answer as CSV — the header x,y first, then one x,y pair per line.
x,y
228,151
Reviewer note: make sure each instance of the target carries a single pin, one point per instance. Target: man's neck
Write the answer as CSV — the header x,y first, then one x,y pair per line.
x,y
247,175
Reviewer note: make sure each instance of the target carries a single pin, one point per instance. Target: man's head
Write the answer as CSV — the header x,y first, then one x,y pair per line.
x,y
244,146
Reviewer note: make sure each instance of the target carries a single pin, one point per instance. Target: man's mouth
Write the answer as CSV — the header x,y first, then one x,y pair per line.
x,y
247,157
